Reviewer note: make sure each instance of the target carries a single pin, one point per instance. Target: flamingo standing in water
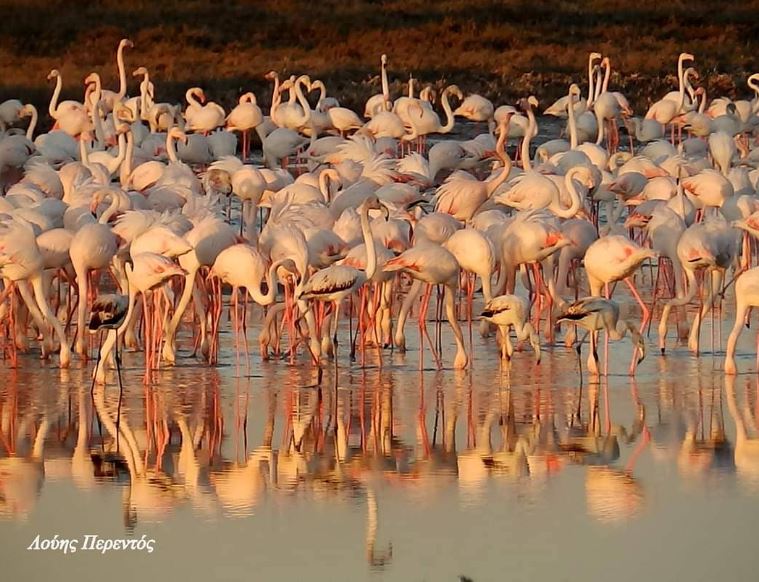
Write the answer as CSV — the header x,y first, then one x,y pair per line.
x,y
92,248
710,246
145,272
597,314
337,282
508,311
427,262
22,261
615,258
746,297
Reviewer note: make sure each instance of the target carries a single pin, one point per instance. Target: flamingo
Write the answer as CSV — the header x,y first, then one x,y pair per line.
x,y
21,261
381,101
92,248
336,282
70,116
711,246
461,196
201,116
598,314
746,297
145,272
508,311
429,263
246,116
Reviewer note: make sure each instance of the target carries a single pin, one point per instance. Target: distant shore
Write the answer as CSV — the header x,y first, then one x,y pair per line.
x,y
502,50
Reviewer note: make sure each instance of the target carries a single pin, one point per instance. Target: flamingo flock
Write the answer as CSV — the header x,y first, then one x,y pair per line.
x,y
140,217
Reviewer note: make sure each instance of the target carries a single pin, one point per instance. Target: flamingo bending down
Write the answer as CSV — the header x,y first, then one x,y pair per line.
x,y
598,314
22,261
507,311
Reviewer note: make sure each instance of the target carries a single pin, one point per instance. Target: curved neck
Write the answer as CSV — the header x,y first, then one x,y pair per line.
x,y
122,72
493,184
190,97
171,147
97,92
52,108
591,82
271,287
303,103
702,105
753,84
325,180
448,114
32,123
98,124
576,203
111,210
371,253
275,97
410,87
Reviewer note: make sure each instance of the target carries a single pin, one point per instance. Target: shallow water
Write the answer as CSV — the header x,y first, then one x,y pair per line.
x,y
524,473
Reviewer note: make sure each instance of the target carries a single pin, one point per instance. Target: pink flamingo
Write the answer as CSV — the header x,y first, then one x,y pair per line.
x,y
145,273
336,282
432,264
746,297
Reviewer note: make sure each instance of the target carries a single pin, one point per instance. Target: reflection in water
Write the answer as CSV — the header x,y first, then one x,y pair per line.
x,y
746,431
224,448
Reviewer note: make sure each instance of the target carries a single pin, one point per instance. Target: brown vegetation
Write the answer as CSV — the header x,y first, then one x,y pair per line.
x,y
501,49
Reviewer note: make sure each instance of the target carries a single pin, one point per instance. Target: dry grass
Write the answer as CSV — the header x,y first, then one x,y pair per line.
x,y
500,49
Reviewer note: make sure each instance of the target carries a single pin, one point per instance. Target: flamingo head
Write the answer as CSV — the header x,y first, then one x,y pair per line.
x,y
126,43
178,134
454,90
139,71
637,220
54,74
374,203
